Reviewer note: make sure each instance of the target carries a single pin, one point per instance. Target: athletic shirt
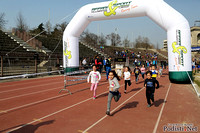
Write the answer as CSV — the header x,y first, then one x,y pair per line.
x,y
142,70
95,76
113,84
126,75
154,73
150,85
193,63
137,71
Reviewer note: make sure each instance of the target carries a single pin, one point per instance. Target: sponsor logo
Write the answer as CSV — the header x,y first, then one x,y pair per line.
x,y
112,10
180,49
66,52
112,7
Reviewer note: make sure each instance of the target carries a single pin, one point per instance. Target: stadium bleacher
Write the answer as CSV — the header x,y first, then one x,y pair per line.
x,y
21,57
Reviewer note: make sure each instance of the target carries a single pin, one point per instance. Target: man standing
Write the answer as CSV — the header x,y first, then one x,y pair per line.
x,y
108,66
84,62
104,63
97,63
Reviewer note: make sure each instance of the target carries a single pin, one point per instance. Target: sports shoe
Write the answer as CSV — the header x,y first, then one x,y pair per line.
x,y
125,91
94,98
149,105
108,112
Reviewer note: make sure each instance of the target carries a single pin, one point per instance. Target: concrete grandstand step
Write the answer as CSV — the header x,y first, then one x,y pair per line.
x,y
21,42
43,63
159,53
95,50
27,46
44,49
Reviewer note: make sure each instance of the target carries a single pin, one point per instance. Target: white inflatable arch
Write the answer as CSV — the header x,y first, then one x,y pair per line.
x,y
176,26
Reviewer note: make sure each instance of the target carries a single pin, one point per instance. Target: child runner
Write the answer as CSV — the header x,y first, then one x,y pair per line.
x,y
150,87
95,78
160,70
154,72
127,77
150,68
143,70
113,89
137,72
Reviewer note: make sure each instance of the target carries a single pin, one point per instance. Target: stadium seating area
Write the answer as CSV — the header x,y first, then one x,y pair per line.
x,y
51,44
7,44
132,53
20,57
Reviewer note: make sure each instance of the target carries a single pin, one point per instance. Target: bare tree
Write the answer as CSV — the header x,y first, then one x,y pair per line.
x,y
146,43
143,42
114,38
138,42
59,29
21,24
102,40
89,38
2,21
48,27
126,42
62,26
39,29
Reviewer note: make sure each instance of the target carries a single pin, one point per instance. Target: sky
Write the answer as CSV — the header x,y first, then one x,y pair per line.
x,y
39,11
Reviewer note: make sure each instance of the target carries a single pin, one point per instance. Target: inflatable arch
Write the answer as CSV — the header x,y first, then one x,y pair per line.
x,y
176,26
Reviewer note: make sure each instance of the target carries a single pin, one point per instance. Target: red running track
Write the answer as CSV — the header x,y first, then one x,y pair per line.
x,y
35,106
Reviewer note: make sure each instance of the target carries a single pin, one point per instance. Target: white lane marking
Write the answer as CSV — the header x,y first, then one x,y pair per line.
x,y
4,99
111,111
30,94
30,87
161,111
34,80
54,113
33,103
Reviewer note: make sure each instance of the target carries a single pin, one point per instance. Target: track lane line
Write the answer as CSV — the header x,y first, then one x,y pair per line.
x,y
32,87
29,87
34,80
55,113
58,111
161,111
4,99
41,101
85,131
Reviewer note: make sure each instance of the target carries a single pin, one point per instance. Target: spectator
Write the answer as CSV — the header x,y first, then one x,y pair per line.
x,y
155,63
104,63
193,65
97,63
108,67
84,62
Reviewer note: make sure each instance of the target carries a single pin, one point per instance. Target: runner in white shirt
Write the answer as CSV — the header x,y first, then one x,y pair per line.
x,y
95,78
127,77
